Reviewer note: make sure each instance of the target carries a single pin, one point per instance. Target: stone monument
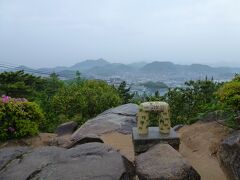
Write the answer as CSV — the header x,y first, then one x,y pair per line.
x,y
145,137
162,108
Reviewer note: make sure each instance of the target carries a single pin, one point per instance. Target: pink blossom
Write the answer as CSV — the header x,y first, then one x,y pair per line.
x,y
11,129
5,99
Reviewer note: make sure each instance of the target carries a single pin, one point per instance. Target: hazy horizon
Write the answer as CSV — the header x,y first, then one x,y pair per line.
x,y
61,33
12,65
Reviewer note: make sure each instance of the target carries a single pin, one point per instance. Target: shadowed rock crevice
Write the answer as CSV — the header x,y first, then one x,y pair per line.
x,y
10,155
36,172
88,138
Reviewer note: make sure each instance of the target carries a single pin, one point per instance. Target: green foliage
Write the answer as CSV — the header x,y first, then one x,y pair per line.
x,y
154,119
80,99
187,102
229,94
19,84
60,101
68,101
124,92
197,100
236,77
51,86
138,99
19,119
77,80
85,100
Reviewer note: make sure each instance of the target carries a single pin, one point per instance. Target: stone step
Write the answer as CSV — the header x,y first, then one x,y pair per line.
x,y
143,142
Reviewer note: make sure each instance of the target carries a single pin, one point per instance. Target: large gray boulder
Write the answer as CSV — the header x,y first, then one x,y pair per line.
x,y
88,138
126,110
120,119
229,156
66,128
7,155
164,163
86,162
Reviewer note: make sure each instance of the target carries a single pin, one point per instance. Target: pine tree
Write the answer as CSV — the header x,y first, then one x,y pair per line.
x,y
124,92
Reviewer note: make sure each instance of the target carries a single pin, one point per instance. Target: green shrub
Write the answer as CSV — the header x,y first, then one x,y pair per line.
x,y
88,99
229,94
19,118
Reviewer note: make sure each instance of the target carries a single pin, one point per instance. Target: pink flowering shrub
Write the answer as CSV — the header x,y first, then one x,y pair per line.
x,y
18,118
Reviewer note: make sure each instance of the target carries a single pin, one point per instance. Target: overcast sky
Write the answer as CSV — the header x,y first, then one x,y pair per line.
x,y
41,33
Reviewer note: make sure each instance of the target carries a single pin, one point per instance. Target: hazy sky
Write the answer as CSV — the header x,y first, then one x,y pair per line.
x,y
63,32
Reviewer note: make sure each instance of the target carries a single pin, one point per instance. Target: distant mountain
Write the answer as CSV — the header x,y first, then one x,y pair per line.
x,y
159,67
169,67
201,68
55,69
110,69
137,65
88,64
167,72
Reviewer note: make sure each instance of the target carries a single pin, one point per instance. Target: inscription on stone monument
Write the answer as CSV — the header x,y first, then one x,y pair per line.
x,y
163,110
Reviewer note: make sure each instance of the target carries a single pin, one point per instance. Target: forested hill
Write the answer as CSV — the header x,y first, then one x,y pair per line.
x,y
101,68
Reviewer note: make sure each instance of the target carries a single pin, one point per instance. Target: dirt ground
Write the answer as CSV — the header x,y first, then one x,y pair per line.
x,y
199,144
120,142
43,139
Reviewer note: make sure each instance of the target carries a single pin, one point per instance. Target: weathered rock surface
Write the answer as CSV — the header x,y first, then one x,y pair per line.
x,y
66,128
87,138
7,155
61,141
126,110
177,127
163,162
229,156
86,162
120,119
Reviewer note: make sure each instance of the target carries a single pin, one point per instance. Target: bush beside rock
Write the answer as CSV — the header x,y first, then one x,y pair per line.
x,y
19,118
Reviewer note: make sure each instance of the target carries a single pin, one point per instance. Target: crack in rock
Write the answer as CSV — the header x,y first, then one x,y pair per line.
x,y
36,172
18,157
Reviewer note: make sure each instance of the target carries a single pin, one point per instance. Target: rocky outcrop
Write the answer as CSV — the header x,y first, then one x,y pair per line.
x,y
125,110
177,127
163,162
120,119
88,161
61,141
229,156
7,155
66,128
85,139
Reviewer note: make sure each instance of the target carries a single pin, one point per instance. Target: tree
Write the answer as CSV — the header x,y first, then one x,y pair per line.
x,y
186,103
20,84
78,78
88,99
229,94
124,92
